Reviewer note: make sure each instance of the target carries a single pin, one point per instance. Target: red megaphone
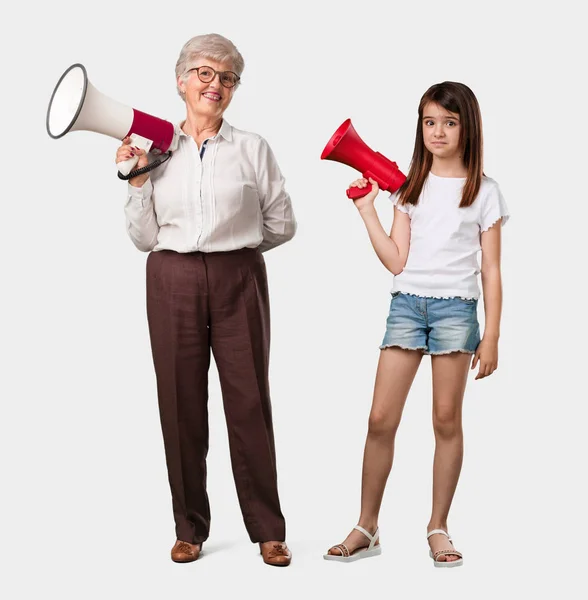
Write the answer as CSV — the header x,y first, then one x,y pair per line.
x,y
346,147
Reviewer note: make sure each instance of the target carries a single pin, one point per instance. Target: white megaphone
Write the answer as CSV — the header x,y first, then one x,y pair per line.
x,y
77,105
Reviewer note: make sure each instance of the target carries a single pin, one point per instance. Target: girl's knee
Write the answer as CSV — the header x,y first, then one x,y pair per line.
x,y
447,423
382,425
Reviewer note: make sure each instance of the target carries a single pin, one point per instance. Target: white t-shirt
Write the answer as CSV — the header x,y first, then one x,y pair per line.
x,y
445,239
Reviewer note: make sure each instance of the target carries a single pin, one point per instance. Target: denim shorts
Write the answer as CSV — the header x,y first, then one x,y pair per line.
x,y
433,325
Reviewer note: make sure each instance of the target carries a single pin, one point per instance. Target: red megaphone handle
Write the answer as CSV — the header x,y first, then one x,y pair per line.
x,y
354,193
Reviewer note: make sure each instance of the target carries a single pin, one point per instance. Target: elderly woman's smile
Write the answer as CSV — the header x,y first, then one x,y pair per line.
x,y
212,96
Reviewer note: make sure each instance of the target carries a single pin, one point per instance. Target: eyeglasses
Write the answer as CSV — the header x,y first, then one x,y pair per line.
x,y
206,74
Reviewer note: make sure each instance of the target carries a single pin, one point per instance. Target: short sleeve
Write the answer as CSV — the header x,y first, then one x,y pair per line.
x,y
493,208
407,209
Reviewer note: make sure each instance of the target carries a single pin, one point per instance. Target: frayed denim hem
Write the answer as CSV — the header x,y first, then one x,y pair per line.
x,y
426,351
384,346
451,352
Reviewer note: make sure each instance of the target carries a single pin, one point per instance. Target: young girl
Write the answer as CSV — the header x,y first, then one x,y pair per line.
x,y
445,212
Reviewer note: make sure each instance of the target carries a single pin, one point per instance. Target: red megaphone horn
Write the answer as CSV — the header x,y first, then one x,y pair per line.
x,y
346,147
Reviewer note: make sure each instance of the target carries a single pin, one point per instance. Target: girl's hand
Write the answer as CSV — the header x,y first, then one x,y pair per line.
x,y
487,354
366,201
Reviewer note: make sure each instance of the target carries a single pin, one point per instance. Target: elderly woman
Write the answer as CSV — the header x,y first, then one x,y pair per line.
x,y
206,215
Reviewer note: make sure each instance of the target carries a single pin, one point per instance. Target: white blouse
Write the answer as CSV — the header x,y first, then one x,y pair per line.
x,y
229,195
445,239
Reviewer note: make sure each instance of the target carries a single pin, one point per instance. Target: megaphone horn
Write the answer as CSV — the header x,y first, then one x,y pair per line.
x,y
345,146
77,105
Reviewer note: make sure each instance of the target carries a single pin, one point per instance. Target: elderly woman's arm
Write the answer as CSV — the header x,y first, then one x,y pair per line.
x,y
142,224
279,223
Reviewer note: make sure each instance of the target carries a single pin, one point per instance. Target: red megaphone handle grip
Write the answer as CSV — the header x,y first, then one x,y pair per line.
x,y
354,193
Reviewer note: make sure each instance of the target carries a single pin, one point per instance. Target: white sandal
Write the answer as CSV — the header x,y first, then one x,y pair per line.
x,y
445,563
365,552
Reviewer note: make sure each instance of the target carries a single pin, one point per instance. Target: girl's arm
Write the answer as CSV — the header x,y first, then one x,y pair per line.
x,y
392,250
487,352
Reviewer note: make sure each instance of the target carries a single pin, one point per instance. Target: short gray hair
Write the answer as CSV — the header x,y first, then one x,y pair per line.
x,y
213,46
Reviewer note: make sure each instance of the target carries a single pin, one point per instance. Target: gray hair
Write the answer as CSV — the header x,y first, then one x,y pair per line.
x,y
213,46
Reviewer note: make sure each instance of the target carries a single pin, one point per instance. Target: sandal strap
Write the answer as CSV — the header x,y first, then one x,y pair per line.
x,y
343,548
372,538
446,553
443,532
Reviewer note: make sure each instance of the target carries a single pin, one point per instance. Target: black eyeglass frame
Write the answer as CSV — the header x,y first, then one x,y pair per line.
x,y
219,73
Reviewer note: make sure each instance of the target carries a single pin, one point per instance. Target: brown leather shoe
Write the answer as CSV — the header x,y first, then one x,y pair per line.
x,y
183,552
275,553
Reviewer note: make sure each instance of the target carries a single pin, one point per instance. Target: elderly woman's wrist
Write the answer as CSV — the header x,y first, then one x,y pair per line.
x,y
139,181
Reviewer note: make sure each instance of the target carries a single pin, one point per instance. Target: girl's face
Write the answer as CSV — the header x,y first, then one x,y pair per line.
x,y
441,131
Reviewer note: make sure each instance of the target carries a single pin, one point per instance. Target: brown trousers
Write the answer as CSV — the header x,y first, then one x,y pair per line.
x,y
197,302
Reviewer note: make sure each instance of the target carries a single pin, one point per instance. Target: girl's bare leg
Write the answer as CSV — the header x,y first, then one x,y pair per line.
x,y
396,371
450,372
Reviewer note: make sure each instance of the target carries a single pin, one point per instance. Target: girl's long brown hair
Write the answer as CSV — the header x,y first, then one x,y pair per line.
x,y
456,98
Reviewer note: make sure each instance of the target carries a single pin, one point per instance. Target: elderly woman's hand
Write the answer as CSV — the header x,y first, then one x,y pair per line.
x,y
127,151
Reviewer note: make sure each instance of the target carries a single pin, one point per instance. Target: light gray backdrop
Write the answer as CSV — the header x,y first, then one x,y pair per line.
x,y
86,510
